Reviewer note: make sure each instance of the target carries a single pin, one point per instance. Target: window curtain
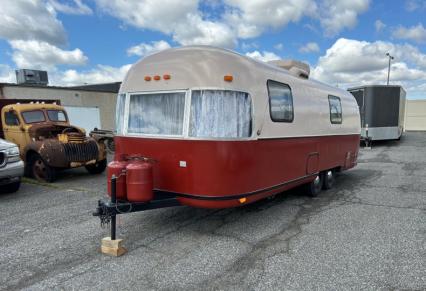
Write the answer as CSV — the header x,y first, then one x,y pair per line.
x,y
119,113
220,113
160,113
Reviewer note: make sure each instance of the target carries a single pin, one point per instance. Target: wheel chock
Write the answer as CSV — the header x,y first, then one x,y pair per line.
x,y
112,247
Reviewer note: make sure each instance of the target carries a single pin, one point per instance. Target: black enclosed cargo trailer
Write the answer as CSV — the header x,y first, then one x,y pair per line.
x,y
382,110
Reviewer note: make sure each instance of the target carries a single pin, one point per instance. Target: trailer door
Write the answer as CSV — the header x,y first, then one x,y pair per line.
x,y
360,99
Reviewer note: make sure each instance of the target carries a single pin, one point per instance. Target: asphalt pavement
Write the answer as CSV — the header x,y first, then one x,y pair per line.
x,y
368,232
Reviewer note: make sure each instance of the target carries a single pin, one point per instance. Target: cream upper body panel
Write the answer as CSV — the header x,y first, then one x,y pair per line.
x,y
204,67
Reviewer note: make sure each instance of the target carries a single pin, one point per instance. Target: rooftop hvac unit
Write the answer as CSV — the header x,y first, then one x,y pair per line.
x,y
31,77
296,68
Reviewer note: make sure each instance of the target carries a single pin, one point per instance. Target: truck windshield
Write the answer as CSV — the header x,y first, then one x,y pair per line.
x,y
157,113
33,116
220,113
56,115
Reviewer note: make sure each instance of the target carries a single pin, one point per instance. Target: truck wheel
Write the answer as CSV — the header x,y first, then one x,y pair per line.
x,y
328,179
314,187
97,168
41,170
12,187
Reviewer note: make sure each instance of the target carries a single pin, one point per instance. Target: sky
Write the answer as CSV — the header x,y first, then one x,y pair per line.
x,y
95,41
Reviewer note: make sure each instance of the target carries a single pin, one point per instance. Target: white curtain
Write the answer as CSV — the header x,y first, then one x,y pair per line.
x,y
159,113
220,113
119,113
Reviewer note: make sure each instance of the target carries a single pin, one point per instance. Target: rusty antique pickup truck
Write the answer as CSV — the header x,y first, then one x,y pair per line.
x,y
46,140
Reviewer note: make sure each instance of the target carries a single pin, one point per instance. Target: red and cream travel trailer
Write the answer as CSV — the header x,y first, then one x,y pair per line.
x,y
212,128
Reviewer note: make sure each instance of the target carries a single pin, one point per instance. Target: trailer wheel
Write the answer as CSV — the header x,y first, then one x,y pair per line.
x,y
329,178
314,188
41,171
97,168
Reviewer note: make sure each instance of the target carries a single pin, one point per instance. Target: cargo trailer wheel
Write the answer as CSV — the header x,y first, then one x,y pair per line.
x,y
329,178
41,171
97,168
314,188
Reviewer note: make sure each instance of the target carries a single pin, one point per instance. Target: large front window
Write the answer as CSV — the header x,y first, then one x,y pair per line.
x,y
157,113
204,114
220,114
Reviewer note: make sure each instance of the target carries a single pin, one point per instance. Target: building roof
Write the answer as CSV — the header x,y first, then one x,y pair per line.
x,y
105,87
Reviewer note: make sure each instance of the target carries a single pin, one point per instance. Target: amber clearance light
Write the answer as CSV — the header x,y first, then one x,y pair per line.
x,y
157,78
228,78
166,77
147,78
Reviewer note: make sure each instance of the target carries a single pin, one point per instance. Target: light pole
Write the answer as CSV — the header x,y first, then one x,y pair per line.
x,y
390,58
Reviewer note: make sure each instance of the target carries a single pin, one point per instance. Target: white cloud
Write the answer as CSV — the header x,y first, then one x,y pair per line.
x,y
368,64
195,30
415,33
338,15
7,74
251,18
310,47
100,74
28,20
264,56
413,5
42,55
180,19
144,49
379,25
79,8
279,46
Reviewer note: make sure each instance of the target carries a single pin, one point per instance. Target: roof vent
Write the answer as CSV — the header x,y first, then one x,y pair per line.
x,y
296,68
31,77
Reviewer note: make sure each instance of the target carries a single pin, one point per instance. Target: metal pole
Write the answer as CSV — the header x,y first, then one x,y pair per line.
x,y
113,201
389,70
389,66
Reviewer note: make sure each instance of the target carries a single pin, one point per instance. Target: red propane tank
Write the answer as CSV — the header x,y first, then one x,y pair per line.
x,y
117,168
139,181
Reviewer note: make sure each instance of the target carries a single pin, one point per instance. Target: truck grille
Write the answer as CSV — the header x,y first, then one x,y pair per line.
x,y
2,159
81,152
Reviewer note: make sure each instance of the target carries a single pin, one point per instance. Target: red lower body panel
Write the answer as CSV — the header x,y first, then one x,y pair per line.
x,y
220,174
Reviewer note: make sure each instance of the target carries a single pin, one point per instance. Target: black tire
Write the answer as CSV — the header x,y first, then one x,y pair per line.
x,y
12,187
329,178
97,168
314,188
41,171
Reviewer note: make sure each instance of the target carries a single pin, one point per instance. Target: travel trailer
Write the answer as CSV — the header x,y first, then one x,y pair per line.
x,y
211,128
382,110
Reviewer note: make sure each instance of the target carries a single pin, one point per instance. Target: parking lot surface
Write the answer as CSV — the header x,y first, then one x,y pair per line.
x,y
368,232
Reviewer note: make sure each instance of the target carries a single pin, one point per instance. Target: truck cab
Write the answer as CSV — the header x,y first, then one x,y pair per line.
x,y
48,142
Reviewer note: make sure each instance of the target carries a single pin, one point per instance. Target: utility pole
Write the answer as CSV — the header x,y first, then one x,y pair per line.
x,y
390,58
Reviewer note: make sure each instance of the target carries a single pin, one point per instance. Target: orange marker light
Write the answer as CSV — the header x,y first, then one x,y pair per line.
x,y
166,77
147,78
242,200
157,78
228,78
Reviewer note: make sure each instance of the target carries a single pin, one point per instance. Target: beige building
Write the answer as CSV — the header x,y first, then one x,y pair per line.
x,y
81,98
415,115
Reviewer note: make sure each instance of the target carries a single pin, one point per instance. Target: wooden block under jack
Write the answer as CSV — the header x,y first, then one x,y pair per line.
x,y
112,247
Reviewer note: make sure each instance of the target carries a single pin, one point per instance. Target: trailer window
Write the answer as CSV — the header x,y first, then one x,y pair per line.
x,y
158,114
280,102
220,113
33,116
119,113
335,109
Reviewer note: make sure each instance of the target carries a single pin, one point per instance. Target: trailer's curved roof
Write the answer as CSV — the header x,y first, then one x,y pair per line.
x,y
192,66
